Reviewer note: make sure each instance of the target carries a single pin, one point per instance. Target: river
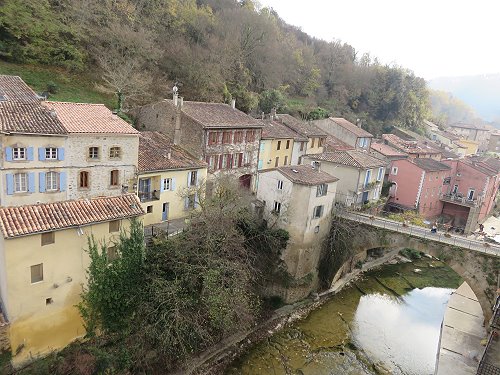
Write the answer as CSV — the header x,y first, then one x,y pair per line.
x,y
388,321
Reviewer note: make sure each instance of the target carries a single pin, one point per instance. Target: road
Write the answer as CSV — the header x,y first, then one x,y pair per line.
x,y
425,233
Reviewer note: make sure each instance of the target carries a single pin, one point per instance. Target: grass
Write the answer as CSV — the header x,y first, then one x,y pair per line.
x,y
71,87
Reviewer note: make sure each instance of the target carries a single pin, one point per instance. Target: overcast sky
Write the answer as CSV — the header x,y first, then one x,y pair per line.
x,y
434,38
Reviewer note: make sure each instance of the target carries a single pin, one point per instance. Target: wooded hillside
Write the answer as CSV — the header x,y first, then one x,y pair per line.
x,y
214,50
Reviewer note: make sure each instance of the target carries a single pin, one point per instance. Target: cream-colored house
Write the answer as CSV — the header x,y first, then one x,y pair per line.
x,y
360,174
346,131
169,179
43,263
299,198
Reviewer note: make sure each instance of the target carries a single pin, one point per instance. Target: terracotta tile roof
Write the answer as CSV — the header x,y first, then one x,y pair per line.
x,y
486,164
410,147
32,219
304,174
386,150
306,129
359,132
276,130
350,158
89,118
21,110
217,115
468,126
158,153
430,165
334,144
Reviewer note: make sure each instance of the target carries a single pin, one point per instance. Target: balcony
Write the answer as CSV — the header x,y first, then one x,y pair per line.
x,y
146,196
369,186
461,200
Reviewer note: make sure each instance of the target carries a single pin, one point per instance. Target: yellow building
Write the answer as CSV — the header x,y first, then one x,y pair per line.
x,y
471,146
277,145
43,263
169,179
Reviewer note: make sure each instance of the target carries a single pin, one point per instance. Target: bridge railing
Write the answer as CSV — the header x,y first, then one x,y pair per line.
x,y
425,233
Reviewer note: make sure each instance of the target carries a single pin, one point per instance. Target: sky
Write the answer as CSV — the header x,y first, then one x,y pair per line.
x,y
434,38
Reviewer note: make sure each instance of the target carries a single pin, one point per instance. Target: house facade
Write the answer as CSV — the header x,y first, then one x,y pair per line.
x,y
360,174
415,149
169,179
43,265
346,131
299,198
226,138
494,143
472,132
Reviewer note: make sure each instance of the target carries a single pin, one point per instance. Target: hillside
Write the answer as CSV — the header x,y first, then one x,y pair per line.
x,y
480,92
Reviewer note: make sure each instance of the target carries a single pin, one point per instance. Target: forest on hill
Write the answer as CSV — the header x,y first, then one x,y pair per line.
x,y
214,50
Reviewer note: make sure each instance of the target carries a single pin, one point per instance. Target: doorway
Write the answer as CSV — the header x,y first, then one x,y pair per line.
x,y
164,212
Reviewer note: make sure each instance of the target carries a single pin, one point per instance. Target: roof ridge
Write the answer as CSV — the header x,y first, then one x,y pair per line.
x,y
77,103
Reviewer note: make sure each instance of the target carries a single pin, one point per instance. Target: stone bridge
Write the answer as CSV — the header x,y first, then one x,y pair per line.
x,y
478,264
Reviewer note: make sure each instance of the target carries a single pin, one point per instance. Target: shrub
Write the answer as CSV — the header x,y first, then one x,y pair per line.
x,y
410,253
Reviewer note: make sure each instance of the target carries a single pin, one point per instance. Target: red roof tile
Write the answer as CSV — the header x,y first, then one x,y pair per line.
x,y
335,144
351,158
277,130
32,219
158,153
304,174
306,129
386,150
89,118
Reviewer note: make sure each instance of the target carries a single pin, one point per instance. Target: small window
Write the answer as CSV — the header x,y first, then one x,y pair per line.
x,y
278,146
114,226
167,184
48,238
313,141
115,153
276,207
111,253
318,212
83,181
20,183
320,142
280,185
50,153
238,136
48,301
19,153
227,137
394,170
321,190
380,174
51,181
285,162
250,136
287,144
149,209
277,161
93,152
213,138
37,273
114,180
192,181
302,146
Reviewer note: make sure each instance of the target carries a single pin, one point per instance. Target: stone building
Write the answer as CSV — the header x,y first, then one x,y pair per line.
x,y
472,132
346,131
226,138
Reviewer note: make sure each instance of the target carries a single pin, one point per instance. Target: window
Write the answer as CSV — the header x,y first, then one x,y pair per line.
x,y
211,162
48,238
114,180
225,159
302,146
278,146
380,174
313,141
280,185
83,181
167,184
19,153
226,137
277,161
248,157
285,162
20,183
321,190
250,137
394,170
51,181
111,253
287,144
114,226
320,142
276,207
213,138
149,209
115,153
470,194
317,212
238,136
50,153
37,273
93,152
48,301
192,181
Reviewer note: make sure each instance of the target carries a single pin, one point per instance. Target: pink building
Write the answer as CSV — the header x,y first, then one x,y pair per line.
x,y
418,184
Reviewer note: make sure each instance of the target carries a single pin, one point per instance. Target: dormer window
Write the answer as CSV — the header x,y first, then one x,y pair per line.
x,y
19,153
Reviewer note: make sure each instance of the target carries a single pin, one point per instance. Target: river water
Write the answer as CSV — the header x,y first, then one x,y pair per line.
x,y
386,322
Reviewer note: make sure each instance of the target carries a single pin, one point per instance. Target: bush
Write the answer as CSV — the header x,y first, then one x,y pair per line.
x,y
410,253
52,87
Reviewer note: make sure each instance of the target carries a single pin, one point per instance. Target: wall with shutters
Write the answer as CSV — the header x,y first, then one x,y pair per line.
x,y
175,197
269,152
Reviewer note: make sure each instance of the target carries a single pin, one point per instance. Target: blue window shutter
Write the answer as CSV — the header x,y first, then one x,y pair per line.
x,y
173,184
30,153
162,185
62,181
8,153
10,183
41,182
60,153
31,180
41,153
259,165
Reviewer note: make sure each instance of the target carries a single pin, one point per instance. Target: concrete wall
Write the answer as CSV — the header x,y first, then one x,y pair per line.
x,y
36,326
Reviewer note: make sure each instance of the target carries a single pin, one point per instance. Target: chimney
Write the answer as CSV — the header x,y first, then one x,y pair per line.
x,y
178,113
233,103
181,102
273,114
175,98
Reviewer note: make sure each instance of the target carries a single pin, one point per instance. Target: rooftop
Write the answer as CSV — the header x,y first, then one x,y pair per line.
x,y
468,126
22,112
89,118
276,130
358,131
387,150
33,219
351,158
410,147
430,165
306,129
304,174
157,153
334,144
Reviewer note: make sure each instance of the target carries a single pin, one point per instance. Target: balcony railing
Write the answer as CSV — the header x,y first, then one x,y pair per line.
x,y
368,186
461,200
146,196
